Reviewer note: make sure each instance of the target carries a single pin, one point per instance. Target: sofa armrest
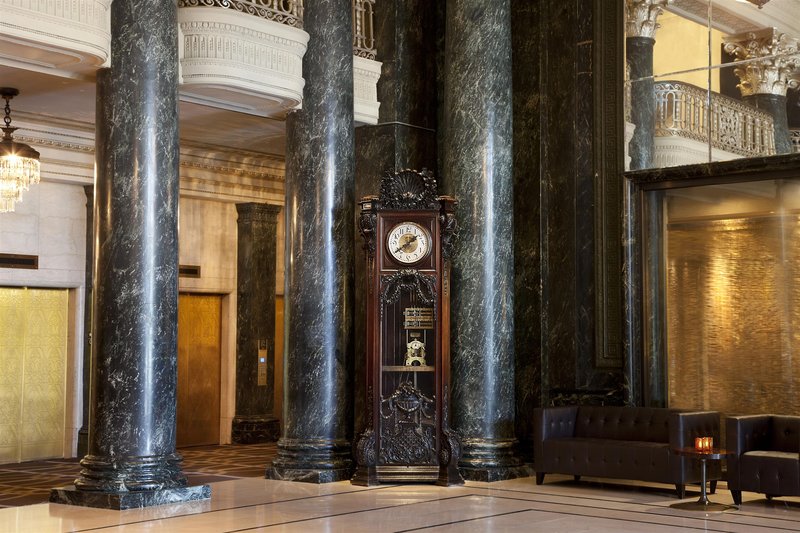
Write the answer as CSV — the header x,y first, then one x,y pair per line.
x,y
549,423
746,433
685,427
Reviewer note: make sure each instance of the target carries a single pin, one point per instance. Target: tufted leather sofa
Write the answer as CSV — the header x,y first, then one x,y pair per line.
x,y
622,443
765,455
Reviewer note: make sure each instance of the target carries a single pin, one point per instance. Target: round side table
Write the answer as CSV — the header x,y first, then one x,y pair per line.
x,y
703,504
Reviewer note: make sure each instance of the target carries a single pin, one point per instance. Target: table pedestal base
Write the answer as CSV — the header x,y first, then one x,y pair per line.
x,y
700,505
703,504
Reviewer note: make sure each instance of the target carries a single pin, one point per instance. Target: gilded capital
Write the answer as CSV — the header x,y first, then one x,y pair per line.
x,y
642,15
773,58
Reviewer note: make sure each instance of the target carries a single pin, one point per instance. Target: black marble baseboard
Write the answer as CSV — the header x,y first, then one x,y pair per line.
x,y
121,501
309,475
497,473
250,431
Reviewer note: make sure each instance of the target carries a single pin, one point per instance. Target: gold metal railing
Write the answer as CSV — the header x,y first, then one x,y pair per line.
x,y
289,12
684,110
363,28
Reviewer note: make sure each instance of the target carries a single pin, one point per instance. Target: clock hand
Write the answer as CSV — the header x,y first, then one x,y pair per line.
x,y
402,246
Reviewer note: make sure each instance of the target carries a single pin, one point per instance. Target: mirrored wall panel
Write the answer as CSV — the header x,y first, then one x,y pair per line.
x,y
711,80
732,296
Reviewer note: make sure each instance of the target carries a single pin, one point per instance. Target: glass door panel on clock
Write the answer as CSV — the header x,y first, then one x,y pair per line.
x,y
408,385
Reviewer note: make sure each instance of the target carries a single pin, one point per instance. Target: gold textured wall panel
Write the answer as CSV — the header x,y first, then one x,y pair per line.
x,y
33,357
733,314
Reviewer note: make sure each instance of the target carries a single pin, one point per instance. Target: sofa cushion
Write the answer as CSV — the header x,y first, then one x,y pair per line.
x,y
647,461
785,433
623,423
770,472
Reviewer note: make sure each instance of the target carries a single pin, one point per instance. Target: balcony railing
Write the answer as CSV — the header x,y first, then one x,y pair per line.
x,y
683,110
363,29
795,140
289,12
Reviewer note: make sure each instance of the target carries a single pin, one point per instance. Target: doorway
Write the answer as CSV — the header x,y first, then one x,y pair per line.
x,y
199,355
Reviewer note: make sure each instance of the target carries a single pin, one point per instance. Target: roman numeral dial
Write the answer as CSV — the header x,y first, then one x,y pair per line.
x,y
408,242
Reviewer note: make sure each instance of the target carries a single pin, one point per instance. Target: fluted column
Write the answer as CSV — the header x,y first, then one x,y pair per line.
x,y
478,172
317,425
255,324
764,82
640,30
132,461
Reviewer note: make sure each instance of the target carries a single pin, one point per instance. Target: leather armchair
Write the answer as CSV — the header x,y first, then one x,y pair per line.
x,y
765,455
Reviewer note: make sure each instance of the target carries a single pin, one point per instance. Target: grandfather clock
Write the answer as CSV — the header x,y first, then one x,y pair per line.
x,y
408,231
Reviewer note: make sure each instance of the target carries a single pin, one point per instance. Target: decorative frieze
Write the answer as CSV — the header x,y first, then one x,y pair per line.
x,y
366,73
642,15
772,59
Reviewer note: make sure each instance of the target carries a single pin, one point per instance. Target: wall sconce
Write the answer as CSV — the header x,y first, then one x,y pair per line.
x,y
19,163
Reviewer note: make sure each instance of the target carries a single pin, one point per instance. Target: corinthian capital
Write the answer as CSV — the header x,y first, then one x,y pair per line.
x,y
773,58
642,15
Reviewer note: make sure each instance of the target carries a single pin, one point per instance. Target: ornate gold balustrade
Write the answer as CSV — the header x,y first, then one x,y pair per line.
x,y
684,110
363,29
289,12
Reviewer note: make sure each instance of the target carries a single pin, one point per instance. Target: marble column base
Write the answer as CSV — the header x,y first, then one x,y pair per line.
x,y
491,460
255,429
120,501
312,461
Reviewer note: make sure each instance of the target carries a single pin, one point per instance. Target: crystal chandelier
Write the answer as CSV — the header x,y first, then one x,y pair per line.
x,y
19,163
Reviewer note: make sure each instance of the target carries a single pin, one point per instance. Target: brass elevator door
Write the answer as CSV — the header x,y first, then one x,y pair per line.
x,y
199,343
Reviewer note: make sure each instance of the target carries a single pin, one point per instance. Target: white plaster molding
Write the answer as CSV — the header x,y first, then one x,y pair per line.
x,y
677,151
630,128
210,172
241,62
366,74
66,38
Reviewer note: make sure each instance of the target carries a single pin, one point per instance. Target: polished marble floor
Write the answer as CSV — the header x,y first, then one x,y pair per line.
x,y
560,505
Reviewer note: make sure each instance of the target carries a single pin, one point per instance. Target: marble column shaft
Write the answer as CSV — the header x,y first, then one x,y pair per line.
x,y
478,172
320,206
132,461
643,101
255,324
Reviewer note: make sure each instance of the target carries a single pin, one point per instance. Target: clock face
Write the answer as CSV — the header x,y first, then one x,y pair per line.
x,y
408,242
